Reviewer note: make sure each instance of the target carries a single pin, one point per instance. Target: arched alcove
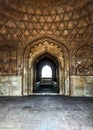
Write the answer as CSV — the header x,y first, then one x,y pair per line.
x,y
8,60
46,72
84,60
38,49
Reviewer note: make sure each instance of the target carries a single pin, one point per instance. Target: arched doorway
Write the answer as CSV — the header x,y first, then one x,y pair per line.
x,y
32,55
46,74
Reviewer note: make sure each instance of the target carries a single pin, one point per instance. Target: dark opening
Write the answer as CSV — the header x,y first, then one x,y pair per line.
x,y
46,75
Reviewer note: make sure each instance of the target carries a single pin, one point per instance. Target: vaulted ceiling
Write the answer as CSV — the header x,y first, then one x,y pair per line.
x,y
65,19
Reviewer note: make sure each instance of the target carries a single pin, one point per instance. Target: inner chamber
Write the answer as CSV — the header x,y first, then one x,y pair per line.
x,y
46,75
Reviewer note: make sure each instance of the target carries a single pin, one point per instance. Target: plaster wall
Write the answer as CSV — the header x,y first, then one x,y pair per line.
x,y
81,85
10,85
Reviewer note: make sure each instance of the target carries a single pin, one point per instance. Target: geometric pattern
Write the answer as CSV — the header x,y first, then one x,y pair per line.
x,y
24,20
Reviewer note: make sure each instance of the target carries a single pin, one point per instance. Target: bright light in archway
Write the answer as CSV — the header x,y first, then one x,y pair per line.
x,y
46,72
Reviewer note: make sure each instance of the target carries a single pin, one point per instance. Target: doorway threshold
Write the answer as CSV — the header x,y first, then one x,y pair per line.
x,y
45,93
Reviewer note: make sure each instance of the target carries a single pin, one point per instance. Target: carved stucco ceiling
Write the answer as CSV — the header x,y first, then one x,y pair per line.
x,y
26,19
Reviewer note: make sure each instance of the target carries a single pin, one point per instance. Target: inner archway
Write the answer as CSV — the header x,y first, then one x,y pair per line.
x,y
46,74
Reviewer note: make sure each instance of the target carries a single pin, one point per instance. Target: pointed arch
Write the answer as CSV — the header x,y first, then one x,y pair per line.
x,y
8,60
84,60
38,48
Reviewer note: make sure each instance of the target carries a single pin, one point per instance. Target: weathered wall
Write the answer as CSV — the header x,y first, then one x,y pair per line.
x,y
10,85
25,25
81,85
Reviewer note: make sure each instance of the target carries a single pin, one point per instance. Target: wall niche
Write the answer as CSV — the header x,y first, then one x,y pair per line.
x,y
84,61
8,60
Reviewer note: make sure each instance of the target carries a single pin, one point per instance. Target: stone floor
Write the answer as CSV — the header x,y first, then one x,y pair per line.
x,y
46,113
